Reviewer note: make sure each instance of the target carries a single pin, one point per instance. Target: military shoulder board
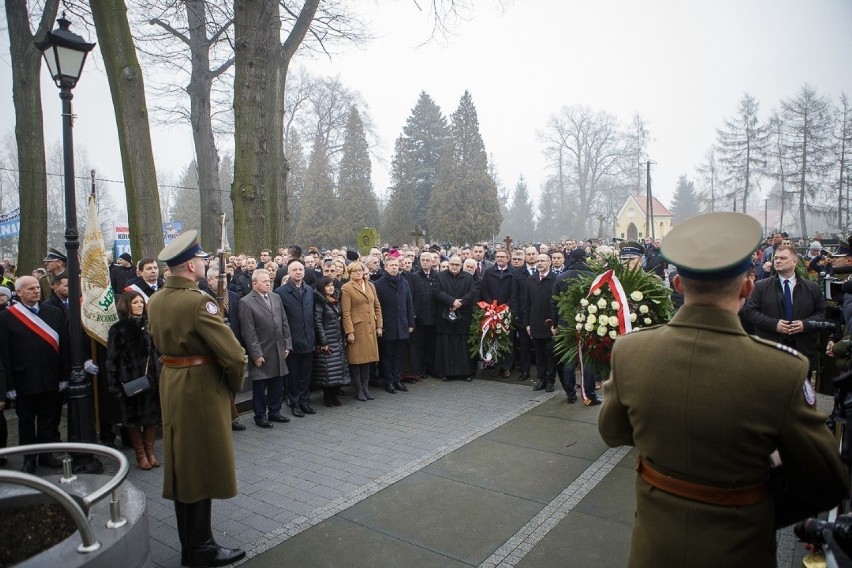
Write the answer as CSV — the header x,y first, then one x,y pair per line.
x,y
786,349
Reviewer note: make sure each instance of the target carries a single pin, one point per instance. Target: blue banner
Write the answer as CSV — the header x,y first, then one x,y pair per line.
x,y
171,230
10,223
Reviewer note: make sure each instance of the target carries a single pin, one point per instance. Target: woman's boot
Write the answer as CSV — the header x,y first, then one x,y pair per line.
x,y
365,386
149,435
359,390
138,447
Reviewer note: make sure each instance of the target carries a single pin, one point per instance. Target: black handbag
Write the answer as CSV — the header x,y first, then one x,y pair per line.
x,y
138,385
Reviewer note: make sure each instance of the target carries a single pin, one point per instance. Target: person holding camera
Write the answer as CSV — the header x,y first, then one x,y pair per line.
x,y
782,306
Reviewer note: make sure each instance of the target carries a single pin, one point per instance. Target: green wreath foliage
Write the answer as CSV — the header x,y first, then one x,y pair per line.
x,y
649,301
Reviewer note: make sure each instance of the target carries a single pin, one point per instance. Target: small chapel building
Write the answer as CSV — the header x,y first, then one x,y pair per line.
x,y
630,223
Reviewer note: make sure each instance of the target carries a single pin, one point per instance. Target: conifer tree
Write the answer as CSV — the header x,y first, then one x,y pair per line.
x,y
464,203
357,207
398,217
425,135
316,223
685,201
519,222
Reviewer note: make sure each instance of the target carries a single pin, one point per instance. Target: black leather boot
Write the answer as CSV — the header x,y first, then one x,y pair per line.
x,y
180,516
203,550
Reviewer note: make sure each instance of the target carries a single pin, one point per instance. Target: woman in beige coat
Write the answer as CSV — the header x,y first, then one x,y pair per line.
x,y
362,324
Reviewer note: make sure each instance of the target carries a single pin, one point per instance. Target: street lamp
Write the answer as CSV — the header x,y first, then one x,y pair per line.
x,y
65,53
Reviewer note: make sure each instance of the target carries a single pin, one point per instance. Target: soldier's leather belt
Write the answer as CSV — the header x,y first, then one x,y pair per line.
x,y
183,362
726,497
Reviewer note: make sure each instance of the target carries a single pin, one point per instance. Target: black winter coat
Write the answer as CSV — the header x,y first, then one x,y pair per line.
x,y
425,308
450,288
497,285
129,349
536,306
331,369
397,307
564,281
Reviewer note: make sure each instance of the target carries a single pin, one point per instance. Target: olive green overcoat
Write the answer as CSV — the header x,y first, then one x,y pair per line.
x,y
198,449
362,315
704,402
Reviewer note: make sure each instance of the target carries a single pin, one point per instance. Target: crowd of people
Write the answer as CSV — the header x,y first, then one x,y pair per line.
x,y
327,320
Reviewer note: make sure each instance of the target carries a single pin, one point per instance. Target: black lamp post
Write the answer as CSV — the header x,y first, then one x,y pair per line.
x,y
65,53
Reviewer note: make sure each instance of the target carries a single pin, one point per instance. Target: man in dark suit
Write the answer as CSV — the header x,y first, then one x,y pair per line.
x,y
519,290
481,263
59,293
782,316
298,300
34,353
425,286
148,280
497,286
266,335
538,322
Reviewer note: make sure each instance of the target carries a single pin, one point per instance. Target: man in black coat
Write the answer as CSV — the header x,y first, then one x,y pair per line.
x,y
241,282
455,298
766,310
398,320
424,290
34,353
538,322
497,286
519,290
298,301
121,272
148,280
576,268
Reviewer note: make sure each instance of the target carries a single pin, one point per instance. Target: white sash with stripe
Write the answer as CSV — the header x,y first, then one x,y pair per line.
x,y
36,325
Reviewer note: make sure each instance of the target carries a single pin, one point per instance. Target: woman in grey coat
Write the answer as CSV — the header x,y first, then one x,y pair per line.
x,y
331,366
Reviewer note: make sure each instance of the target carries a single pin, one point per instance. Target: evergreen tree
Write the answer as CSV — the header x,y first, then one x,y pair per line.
x,y
425,134
685,202
464,199
185,207
315,226
519,222
357,207
398,216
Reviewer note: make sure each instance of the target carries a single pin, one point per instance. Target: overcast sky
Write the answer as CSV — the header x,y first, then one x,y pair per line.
x,y
683,66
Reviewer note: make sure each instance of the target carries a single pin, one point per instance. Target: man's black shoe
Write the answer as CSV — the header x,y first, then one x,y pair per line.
x,y
297,412
237,427
571,400
49,460
389,388
306,408
215,556
539,386
468,379
593,401
524,375
278,418
263,423
29,465
401,387
549,387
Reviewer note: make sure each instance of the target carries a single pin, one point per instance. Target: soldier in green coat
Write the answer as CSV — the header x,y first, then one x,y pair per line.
x,y
711,410
202,364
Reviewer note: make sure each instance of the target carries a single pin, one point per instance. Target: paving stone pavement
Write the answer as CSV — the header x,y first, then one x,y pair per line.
x,y
298,474
348,471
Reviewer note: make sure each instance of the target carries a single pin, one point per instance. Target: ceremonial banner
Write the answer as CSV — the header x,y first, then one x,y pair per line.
x,y
171,230
98,307
10,223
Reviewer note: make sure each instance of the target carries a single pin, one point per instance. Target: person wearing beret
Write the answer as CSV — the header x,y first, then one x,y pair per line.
x,y
710,443
202,363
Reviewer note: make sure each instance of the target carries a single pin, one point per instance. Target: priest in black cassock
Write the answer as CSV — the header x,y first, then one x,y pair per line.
x,y
455,296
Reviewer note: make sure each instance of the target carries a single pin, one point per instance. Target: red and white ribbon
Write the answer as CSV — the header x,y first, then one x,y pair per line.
x,y
608,278
36,325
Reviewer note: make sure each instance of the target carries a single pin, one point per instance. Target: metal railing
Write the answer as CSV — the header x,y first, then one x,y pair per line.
x,y
77,512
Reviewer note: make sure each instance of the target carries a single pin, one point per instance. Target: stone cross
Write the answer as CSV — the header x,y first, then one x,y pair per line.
x,y
416,233
508,241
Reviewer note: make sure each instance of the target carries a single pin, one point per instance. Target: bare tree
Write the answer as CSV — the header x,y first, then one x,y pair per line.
x,y
843,145
594,150
29,128
131,116
808,128
779,163
708,179
740,147
193,44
